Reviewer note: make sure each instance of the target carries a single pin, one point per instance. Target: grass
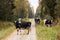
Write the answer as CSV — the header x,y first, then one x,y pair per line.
x,y
47,33
5,29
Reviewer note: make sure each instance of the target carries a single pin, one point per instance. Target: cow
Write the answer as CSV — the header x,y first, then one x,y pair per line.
x,y
25,25
47,22
22,25
37,20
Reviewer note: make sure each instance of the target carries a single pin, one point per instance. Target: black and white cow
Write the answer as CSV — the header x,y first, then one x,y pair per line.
x,y
47,22
37,20
22,25
25,25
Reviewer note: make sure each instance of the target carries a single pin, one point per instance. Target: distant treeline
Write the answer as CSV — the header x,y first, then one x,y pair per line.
x,y
12,9
48,9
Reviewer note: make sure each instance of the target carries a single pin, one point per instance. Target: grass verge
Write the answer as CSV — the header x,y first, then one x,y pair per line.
x,y
47,33
5,29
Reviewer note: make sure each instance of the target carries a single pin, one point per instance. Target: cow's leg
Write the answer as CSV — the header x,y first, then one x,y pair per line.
x,y
47,25
28,30
20,30
17,31
38,22
50,25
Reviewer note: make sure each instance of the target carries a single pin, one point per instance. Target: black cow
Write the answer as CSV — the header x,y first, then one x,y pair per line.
x,y
22,25
37,20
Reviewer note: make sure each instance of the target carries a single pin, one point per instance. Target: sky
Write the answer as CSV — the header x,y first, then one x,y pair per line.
x,y
34,3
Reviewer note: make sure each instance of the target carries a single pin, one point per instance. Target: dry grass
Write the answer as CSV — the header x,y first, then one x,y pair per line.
x,y
5,29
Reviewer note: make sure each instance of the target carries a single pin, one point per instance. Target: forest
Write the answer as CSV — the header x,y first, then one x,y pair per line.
x,y
11,10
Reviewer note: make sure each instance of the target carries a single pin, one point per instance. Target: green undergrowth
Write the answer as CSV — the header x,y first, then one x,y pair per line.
x,y
47,33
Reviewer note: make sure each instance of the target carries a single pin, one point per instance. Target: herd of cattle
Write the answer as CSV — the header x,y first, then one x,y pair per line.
x,y
27,25
47,22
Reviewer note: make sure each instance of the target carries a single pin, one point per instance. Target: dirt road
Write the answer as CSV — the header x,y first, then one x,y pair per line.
x,y
30,36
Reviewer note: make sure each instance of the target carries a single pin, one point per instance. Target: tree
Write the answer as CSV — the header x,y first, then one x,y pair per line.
x,y
6,9
21,8
47,8
51,7
30,11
